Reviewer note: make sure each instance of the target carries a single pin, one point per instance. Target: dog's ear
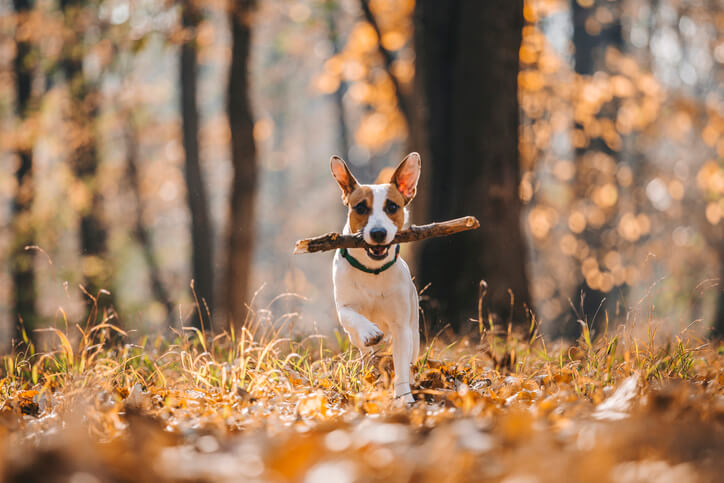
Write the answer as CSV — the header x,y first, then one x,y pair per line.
x,y
406,176
344,177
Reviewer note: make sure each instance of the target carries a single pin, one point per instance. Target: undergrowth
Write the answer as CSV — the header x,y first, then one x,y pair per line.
x,y
498,403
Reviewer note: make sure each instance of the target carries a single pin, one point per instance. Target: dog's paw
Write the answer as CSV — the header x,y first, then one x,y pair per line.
x,y
373,336
404,400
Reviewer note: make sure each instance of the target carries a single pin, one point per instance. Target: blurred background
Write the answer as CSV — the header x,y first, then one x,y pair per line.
x,y
147,143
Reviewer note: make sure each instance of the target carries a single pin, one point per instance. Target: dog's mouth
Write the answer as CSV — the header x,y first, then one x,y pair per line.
x,y
378,252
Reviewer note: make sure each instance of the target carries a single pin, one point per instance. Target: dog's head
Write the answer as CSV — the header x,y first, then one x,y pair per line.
x,y
378,210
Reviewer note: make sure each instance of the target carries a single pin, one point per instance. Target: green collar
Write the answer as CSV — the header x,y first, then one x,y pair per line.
x,y
356,264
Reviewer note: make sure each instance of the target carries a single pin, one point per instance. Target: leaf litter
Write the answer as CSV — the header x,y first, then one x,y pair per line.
x,y
251,407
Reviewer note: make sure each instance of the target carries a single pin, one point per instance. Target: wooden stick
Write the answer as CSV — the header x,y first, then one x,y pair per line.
x,y
332,241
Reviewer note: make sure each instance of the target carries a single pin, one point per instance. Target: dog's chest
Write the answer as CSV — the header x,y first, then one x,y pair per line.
x,y
371,293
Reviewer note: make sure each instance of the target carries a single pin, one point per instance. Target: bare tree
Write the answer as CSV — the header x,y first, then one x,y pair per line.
x,y
83,156
590,304
243,158
23,274
141,231
718,325
331,6
466,80
201,231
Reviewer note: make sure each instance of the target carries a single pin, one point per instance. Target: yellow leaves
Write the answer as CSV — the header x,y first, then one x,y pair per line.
x,y
710,178
564,170
527,54
27,404
370,407
404,70
605,196
516,426
394,40
313,405
362,39
577,222
541,219
568,244
377,129
530,81
713,213
297,453
522,415
632,227
263,129
710,135
361,66
622,86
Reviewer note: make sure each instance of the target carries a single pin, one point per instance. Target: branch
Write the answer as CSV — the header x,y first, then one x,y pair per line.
x,y
388,59
332,241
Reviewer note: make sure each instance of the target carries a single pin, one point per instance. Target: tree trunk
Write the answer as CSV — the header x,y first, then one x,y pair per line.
x,y
467,70
84,156
717,329
331,7
142,232
201,231
23,275
590,304
243,159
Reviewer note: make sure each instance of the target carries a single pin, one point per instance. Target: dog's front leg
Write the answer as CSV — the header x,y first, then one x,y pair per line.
x,y
402,358
361,331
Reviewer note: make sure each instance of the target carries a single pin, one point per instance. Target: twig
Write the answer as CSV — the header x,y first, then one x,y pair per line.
x,y
388,59
332,241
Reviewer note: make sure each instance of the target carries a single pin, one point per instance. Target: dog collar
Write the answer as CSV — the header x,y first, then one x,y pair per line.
x,y
356,264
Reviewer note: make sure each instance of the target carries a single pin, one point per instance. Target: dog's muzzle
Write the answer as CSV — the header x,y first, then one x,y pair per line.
x,y
378,252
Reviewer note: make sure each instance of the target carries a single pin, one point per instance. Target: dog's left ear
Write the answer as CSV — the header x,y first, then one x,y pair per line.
x,y
407,175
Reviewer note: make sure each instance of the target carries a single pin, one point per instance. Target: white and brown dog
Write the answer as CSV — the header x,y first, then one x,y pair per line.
x,y
373,289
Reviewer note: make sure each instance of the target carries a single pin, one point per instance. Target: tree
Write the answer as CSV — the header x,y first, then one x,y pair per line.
x,y
330,10
83,155
201,231
466,80
243,158
589,304
141,231
23,274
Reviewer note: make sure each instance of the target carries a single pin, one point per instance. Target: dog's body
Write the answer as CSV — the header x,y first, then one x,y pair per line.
x,y
373,288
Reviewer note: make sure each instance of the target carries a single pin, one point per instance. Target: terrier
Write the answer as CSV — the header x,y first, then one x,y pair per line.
x,y
373,289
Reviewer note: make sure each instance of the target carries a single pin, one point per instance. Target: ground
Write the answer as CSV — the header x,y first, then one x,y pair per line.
x,y
255,406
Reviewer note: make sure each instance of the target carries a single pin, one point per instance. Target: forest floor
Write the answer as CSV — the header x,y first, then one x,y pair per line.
x,y
257,406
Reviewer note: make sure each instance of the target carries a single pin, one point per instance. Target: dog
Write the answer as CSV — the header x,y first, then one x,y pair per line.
x,y
373,289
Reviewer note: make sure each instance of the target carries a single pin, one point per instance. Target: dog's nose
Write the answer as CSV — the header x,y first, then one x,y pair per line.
x,y
378,235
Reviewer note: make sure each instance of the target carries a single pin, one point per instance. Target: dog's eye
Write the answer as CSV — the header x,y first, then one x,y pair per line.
x,y
391,207
360,208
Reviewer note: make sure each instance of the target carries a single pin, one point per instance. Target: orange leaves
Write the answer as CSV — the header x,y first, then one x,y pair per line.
x,y
472,408
26,401
541,219
710,179
367,74
531,81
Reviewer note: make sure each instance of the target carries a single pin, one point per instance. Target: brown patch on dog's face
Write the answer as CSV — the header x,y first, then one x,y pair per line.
x,y
360,207
394,206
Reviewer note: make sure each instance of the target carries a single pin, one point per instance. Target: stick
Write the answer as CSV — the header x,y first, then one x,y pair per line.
x,y
332,241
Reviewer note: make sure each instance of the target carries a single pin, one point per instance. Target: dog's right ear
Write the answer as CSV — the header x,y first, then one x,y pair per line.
x,y
344,177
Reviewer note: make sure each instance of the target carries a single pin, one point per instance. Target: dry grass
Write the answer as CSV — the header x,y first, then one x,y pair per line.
x,y
257,406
